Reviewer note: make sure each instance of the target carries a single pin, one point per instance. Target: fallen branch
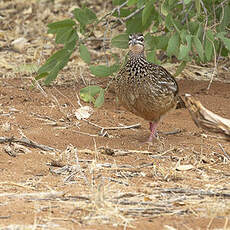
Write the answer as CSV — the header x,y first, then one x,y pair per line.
x,y
34,196
135,126
25,141
116,181
120,152
190,192
225,154
206,119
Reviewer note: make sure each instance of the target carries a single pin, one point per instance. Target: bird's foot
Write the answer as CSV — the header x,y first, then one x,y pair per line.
x,y
153,137
154,134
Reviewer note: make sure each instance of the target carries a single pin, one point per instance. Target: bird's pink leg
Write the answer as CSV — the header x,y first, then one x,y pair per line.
x,y
152,127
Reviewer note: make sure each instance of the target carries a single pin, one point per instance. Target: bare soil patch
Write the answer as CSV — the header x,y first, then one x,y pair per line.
x,y
139,185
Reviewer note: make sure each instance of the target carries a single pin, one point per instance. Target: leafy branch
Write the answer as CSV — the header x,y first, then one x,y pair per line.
x,y
198,33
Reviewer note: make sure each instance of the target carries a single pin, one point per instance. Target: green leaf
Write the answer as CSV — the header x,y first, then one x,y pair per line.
x,y
134,24
84,54
88,93
91,16
70,42
150,42
168,23
140,3
172,24
147,12
120,41
114,68
187,2
116,58
221,34
199,47
41,75
100,70
103,70
56,26
53,65
100,99
164,8
172,2
84,16
70,45
180,68
122,13
154,29
197,4
200,30
173,45
151,57
118,2
224,18
183,52
208,50
183,34
64,30
210,35
131,2
189,41
162,42
62,35
224,52
225,40
66,35
52,60
193,27
80,16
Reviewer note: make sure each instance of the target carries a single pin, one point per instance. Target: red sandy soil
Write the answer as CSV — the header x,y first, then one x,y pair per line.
x,y
26,111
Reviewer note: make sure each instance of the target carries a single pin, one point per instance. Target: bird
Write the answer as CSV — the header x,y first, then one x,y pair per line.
x,y
146,89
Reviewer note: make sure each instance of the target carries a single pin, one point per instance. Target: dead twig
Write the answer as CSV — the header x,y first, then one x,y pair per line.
x,y
34,196
83,133
190,192
225,154
113,128
134,13
120,152
25,141
116,181
171,132
10,151
42,117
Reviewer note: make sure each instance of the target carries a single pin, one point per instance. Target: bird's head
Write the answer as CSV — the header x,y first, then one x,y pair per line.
x,y
136,44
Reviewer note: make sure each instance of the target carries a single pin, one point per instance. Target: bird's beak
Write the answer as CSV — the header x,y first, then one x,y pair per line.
x,y
134,42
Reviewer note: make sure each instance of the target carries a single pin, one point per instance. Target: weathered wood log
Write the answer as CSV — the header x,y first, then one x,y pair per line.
x,y
206,119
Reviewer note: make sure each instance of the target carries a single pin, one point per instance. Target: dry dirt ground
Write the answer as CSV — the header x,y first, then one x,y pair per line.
x,y
82,174
116,179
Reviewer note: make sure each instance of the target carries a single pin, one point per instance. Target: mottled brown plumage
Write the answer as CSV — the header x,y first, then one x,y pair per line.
x,y
145,89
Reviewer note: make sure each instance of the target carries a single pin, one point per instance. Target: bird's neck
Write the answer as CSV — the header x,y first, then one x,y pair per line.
x,y
135,55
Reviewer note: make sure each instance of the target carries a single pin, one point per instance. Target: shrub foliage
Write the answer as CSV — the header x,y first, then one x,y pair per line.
x,y
185,29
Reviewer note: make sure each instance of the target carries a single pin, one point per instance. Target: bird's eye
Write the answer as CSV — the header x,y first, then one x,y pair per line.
x,y
141,39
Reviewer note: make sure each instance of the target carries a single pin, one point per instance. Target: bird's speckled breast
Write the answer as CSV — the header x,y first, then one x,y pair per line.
x,y
146,90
